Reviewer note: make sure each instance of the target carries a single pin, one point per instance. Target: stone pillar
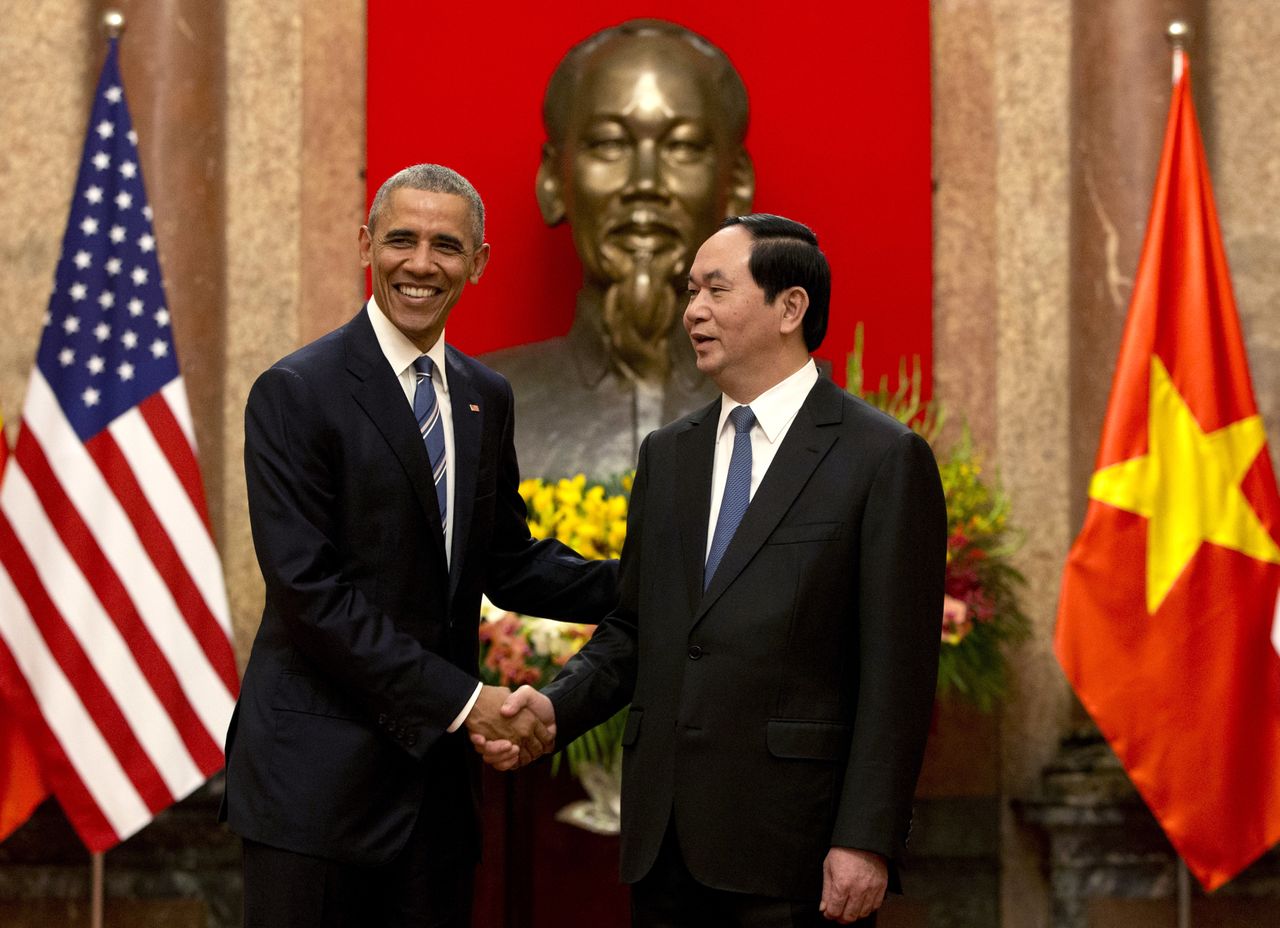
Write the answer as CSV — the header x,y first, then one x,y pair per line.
x,y
172,57
1031,66
1120,86
295,201
45,53
1243,147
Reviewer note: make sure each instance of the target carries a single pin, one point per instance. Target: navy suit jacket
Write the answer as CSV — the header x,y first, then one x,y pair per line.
x,y
367,649
785,709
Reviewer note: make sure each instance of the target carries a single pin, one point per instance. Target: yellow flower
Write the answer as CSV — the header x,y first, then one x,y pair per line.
x,y
617,535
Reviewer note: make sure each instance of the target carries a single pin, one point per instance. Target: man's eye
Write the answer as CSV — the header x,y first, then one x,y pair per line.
x,y
683,151
448,248
608,149
399,242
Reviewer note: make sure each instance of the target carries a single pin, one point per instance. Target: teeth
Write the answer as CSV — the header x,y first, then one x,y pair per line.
x,y
416,292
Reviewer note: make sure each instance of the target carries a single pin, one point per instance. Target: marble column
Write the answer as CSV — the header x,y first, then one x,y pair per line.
x,y
172,59
295,202
1120,86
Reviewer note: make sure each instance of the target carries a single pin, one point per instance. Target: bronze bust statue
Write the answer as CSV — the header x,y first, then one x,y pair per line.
x,y
644,157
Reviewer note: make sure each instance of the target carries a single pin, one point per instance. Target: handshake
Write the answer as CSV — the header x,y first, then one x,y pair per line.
x,y
510,729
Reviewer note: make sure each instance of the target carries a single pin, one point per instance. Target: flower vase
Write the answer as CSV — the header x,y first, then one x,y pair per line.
x,y
600,813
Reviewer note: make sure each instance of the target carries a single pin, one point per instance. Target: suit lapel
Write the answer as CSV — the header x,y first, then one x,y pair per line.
x,y
377,392
695,456
468,426
806,444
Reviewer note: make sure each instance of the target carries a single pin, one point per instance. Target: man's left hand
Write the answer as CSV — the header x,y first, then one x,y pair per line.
x,y
853,884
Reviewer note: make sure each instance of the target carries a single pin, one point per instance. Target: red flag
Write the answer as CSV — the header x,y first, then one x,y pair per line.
x,y
21,785
114,629
1169,594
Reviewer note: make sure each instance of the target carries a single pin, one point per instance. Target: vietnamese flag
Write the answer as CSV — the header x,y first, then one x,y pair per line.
x,y
21,785
1169,594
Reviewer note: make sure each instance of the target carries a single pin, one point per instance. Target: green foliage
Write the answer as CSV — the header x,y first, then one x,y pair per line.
x,y
981,613
601,745
905,401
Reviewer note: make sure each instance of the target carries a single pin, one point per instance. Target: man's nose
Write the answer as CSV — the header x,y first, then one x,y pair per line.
x,y
646,170
422,259
694,310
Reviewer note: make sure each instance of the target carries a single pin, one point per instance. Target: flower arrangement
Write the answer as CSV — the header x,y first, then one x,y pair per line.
x,y
517,650
980,609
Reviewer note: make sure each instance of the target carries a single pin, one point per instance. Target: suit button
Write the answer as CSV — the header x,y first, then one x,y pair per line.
x,y
382,718
695,652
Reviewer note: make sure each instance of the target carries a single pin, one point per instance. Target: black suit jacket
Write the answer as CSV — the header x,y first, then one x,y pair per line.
x,y
367,649
784,710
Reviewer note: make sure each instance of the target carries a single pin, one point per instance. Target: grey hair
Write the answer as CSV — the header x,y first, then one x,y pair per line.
x,y
433,178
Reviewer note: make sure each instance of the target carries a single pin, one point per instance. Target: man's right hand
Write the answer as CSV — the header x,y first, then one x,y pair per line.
x,y
502,753
519,735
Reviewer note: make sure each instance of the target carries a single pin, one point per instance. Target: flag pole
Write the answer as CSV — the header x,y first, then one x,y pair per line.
x,y
1178,34
95,904
112,25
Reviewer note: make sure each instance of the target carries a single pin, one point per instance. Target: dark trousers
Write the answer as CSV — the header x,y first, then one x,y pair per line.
x,y
422,887
669,897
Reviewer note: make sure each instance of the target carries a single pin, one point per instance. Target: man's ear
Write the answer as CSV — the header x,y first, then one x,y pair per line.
x,y
795,302
742,185
366,246
550,196
479,261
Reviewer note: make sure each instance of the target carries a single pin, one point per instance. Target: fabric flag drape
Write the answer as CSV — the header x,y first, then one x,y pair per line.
x,y
1169,593
115,642
21,785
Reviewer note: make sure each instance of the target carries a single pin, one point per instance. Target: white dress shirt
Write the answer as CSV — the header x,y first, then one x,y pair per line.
x,y
400,354
775,409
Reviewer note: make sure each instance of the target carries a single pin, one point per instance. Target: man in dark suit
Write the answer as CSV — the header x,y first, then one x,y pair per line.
x,y
348,776
778,627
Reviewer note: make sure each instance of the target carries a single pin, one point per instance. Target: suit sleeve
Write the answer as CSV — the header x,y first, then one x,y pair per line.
x,y
541,578
296,515
599,680
901,577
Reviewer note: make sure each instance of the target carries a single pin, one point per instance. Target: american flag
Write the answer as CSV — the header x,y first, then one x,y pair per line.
x,y
115,637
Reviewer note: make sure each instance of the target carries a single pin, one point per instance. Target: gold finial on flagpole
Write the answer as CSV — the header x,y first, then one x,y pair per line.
x,y
113,23
1178,35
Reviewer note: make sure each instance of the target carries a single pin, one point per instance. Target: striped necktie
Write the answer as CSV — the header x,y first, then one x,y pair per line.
x,y
427,408
737,490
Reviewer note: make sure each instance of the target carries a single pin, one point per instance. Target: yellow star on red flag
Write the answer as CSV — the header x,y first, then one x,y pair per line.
x,y
1188,486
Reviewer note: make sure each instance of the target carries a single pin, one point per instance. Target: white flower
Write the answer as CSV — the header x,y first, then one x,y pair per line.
x,y
489,612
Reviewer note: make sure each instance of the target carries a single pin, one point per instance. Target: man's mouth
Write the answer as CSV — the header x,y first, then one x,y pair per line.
x,y
416,293
645,230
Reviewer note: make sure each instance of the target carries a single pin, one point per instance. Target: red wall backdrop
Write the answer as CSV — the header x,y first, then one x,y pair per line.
x,y
839,133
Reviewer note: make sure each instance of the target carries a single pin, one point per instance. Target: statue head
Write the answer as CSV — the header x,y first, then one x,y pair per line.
x,y
644,157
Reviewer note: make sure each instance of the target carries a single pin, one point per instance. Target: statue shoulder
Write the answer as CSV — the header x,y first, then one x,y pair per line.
x,y
526,365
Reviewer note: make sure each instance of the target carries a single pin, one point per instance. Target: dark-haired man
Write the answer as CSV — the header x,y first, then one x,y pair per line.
x,y
349,775
777,632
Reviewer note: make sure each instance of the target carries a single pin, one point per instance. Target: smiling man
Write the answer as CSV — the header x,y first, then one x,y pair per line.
x,y
348,772
644,157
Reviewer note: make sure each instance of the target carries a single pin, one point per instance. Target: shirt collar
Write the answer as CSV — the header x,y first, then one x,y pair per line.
x,y
777,406
398,350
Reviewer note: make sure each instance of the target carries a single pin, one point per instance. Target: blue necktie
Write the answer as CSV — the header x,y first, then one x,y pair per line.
x,y
737,490
427,409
